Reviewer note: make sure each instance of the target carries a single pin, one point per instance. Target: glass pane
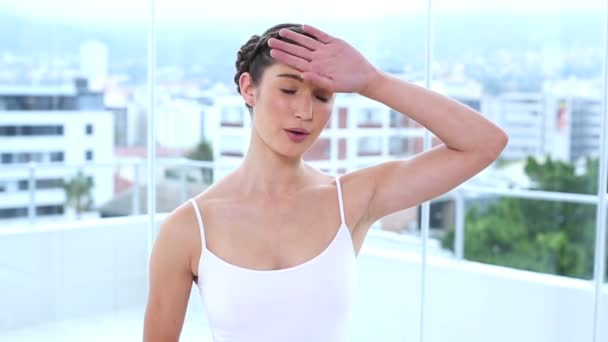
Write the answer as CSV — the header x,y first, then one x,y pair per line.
x,y
517,253
535,70
388,305
603,312
68,85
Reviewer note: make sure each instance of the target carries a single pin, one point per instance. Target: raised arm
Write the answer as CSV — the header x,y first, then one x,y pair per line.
x,y
170,281
470,141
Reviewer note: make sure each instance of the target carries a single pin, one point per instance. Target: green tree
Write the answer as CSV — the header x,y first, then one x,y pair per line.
x,y
203,152
78,193
542,236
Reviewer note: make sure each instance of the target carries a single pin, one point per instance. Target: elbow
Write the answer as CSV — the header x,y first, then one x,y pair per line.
x,y
495,146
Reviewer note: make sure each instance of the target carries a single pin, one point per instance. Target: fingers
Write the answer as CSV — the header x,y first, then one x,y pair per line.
x,y
318,80
292,49
321,36
291,60
301,39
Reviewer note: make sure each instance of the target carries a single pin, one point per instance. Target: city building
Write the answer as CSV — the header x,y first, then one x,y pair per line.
x,y
44,126
522,116
573,117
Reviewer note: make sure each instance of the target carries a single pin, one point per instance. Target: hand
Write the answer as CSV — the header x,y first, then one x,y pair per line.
x,y
329,63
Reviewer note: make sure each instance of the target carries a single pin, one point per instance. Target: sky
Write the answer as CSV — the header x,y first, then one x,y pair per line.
x,y
180,11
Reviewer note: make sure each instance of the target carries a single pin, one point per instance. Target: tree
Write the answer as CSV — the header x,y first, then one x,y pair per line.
x,y
204,152
537,235
78,193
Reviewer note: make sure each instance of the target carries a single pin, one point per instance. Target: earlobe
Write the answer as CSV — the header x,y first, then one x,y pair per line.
x,y
247,88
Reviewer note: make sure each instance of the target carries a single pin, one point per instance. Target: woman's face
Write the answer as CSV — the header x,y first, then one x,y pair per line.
x,y
289,113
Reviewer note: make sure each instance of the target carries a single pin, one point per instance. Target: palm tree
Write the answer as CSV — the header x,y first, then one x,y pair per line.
x,y
78,193
204,151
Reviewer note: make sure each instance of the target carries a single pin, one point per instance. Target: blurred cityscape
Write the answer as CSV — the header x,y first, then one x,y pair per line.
x,y
74,115
84,107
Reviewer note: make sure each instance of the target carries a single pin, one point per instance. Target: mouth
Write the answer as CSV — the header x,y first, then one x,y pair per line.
x,y
298,131
297,135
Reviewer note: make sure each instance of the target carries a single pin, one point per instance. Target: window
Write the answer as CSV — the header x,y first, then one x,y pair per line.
x,y
23,185
30,130
51,183
8,131
506,47
24,157
7,158
56,157
49,210
232,116
369,146
370,117
11,213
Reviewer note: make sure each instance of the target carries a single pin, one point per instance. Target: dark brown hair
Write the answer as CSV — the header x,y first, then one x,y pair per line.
x,y
254,56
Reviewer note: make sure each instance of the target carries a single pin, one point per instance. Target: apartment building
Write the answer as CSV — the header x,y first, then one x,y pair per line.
x,y
44,130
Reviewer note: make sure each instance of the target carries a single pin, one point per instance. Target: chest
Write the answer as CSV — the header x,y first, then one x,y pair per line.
x,y
271,235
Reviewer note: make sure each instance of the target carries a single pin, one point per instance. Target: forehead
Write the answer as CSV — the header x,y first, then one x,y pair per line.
x,y
276,69
279,72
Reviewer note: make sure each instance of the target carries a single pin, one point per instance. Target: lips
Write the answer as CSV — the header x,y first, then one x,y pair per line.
x,y
297,135
297,130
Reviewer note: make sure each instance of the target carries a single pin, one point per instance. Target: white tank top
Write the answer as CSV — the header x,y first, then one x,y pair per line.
x,y
309,302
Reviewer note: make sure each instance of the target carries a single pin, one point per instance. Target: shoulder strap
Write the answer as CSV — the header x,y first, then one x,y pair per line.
x,y
340,202
200,222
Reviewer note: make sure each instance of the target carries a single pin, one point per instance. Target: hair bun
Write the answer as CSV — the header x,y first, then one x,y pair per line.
x,y
245,56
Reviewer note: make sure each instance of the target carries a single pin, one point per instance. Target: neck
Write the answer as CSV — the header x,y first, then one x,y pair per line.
x,y
267,173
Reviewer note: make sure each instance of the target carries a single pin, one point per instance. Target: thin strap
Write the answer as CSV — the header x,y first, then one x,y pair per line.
x,y
343,221
200,222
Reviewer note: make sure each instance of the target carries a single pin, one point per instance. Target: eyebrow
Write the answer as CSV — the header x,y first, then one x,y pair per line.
x,y
292,76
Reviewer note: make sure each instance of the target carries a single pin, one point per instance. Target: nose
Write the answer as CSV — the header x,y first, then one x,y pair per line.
x,y
304,109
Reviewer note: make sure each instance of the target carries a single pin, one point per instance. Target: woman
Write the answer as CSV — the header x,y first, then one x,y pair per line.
x,y
262,243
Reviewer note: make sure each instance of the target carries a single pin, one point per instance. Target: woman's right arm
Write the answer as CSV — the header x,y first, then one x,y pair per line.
x,y
170,281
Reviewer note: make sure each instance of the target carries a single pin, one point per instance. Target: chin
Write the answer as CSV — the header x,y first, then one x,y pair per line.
x,y
293,152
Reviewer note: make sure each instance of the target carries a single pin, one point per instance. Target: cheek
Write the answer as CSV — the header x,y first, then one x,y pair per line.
x,y
277,106
324,115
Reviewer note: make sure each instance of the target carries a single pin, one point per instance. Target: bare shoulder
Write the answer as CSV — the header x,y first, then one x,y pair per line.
x,y
181,229
181,225
355,198
178,235
353,202
170,275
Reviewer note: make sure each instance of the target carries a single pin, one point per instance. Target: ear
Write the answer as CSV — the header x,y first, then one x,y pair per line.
x,y
247,88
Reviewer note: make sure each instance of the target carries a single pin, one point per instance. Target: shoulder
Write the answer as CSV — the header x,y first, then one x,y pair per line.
x,y
182,223
178,233
351,187
356,197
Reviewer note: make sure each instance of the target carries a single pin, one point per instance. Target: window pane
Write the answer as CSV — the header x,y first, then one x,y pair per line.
x,y
536,70
65,68
603,313
517,253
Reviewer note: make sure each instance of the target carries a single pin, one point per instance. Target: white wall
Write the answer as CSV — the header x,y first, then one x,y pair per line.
x,y
83,269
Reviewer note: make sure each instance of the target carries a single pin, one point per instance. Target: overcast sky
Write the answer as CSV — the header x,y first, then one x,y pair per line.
x,y
176,11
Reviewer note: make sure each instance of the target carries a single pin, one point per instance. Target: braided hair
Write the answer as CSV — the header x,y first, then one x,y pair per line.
x,y
254,56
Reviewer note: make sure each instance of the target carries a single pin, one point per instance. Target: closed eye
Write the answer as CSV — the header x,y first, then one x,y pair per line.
x,y
322,99
319,97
